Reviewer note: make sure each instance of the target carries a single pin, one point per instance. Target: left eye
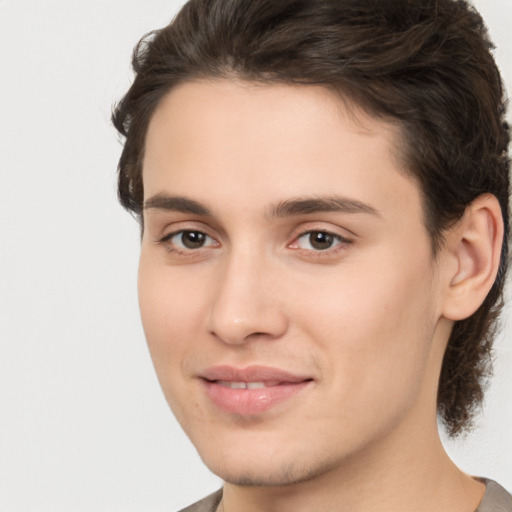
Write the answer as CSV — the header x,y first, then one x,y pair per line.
x,y
189,239
318,240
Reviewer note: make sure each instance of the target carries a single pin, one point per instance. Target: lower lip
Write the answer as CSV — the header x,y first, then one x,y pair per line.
x,y
249,402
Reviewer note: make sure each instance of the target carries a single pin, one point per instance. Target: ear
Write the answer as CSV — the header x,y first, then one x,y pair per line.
x,y
474,249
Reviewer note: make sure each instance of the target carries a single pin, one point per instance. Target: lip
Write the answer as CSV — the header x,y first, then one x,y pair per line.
x,y
280,385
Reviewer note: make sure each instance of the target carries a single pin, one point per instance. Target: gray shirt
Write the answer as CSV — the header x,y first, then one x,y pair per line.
x,y
496,499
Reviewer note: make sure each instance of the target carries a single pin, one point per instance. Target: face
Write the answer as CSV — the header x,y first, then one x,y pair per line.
x,y
288,292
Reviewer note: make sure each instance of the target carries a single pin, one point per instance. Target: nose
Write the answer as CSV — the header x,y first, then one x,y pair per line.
x,y
246,304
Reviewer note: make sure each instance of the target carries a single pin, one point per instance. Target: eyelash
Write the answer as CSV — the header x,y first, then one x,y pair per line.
x,y
339,241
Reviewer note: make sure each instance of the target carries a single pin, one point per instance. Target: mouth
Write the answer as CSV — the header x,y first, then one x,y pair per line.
x,y
246,385
253,390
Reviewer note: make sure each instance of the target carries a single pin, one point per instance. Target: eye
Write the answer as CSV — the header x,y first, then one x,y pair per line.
x,y
319,241
188,240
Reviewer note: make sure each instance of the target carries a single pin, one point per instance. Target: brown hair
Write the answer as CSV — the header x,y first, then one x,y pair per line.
x,y
425,65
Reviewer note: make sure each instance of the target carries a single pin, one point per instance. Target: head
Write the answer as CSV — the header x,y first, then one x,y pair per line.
x,y
423,69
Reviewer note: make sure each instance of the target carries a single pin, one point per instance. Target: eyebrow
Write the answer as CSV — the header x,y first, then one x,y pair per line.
x,y
176,204
287,208
304,206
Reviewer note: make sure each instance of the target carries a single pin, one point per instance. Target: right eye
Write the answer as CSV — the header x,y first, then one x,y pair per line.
x,y
188,240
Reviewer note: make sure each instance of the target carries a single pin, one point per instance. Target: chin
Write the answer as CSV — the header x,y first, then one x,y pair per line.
x,y
264,470
269,477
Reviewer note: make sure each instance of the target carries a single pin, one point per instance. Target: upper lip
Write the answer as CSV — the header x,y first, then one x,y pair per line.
x,y
251,374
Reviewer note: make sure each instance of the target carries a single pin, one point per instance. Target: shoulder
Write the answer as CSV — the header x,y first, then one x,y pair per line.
x,y
496,498
208,504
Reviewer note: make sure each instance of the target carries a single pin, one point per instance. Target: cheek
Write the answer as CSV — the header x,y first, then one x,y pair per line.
x,y
375,326
167,309
170,310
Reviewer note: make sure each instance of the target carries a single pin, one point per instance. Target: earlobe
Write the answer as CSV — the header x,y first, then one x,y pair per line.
x,y
474,244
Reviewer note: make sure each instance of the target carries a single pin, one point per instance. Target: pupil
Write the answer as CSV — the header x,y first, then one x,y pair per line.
x,y
320,240
192,239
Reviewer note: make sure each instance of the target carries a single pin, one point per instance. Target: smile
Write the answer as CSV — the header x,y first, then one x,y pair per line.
x,y
251,391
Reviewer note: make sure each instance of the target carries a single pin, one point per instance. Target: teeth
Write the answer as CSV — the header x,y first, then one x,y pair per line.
x,y
241,385
255,385
237,385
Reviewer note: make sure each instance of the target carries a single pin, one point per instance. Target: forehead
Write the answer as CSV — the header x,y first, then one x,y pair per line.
x,y
250,144
206,109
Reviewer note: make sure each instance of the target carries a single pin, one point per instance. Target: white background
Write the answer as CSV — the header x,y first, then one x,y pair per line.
x,y
83,424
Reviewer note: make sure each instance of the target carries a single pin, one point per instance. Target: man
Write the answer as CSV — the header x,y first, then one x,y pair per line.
x,y
323,194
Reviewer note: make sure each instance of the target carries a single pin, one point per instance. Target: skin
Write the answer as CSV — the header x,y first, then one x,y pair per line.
x,y
367,318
